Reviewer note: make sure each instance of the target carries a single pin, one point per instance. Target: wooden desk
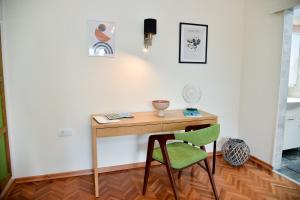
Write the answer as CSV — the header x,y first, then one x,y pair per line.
x,y
143,123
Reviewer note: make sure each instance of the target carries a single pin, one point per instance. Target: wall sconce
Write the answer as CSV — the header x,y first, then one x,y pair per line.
x,y
149,31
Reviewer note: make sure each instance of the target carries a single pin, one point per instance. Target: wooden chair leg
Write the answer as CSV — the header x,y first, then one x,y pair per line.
x,y
214,157
148,164
211,178
179,174
146,176
168,167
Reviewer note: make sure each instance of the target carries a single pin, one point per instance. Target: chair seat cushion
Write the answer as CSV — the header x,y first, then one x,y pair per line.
x,y
180,154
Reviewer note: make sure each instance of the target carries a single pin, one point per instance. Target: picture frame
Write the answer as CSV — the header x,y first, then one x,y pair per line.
x,y
101,38
193,43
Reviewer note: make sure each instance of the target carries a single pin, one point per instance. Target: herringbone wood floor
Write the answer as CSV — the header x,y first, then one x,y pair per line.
x,y
247,182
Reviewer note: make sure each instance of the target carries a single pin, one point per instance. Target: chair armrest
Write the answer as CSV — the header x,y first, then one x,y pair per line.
x,y
162,138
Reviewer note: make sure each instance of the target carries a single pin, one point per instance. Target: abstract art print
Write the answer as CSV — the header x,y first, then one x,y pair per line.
x,y
101,38
193,43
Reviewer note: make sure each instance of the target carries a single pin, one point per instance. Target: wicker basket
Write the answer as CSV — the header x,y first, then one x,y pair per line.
x,y
235,152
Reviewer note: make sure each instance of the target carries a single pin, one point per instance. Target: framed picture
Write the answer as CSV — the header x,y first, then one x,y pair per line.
x,y
193,43
101,38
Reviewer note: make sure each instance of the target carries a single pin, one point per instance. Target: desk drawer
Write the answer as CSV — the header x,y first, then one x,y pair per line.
x,y
182,125
129,130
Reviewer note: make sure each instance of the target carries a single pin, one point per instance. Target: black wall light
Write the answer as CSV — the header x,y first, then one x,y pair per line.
x,y
149,31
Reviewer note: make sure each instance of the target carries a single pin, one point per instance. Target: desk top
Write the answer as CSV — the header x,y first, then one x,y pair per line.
x,y
146,118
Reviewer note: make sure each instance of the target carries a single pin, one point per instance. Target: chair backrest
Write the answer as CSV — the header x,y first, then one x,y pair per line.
x,y
200,137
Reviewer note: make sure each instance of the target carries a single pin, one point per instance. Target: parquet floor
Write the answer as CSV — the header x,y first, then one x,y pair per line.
x,y
247,182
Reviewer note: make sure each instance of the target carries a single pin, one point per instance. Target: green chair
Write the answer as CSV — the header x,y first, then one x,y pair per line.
x,y
189,149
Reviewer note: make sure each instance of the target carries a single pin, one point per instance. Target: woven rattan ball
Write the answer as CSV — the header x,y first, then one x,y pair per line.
x,y
235,152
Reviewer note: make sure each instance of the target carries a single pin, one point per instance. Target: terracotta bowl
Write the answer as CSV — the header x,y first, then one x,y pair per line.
x,y
160,106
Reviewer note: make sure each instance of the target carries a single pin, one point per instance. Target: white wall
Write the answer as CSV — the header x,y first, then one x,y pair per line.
x,y
1,10
52,83
260,77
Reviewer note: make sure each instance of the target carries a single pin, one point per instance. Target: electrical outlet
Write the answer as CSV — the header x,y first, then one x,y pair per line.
x,y
65,132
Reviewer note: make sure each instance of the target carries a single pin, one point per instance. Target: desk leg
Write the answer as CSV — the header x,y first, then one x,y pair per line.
x,y
214,157
95,162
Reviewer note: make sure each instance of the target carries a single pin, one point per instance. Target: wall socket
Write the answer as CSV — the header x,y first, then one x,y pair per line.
x,y
64,132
